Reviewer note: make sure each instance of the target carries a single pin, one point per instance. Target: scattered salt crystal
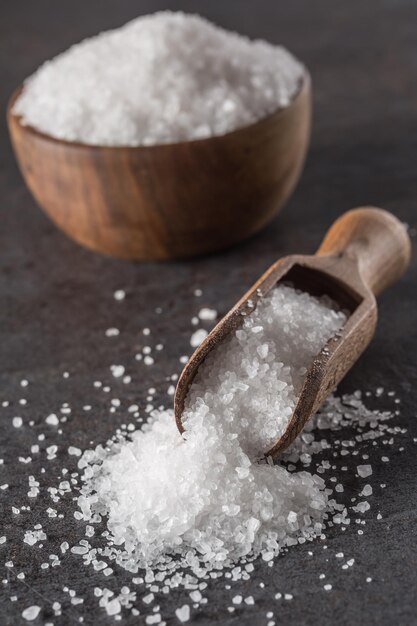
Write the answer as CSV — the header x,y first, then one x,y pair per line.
x,y
327,587
364,470
52,420
117,370
73,451
198,337
119,294
196,596
207,314
112,332
183,613
148,598
33,536
113,607
17,422
31,612
361,507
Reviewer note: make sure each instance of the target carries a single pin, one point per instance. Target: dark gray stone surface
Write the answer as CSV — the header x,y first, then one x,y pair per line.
x,y
56,302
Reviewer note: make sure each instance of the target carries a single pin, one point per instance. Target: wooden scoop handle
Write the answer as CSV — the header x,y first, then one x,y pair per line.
x,y
375,239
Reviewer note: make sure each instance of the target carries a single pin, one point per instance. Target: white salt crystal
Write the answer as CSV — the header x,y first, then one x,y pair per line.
x,y
161,78
361,507
112,332
207,314
113,607
195,596
31,612
117,370
364,470
198,337
73,451
17,422
183,613
33,536
52,420
119,294
148,598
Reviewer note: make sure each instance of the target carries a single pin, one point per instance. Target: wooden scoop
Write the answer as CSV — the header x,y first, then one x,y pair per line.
x,y
366,250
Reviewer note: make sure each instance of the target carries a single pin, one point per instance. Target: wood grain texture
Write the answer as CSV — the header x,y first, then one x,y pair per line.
x,y
167,201
365,251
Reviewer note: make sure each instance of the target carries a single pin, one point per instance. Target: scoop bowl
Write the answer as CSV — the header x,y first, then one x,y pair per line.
x,y
172,200
365,251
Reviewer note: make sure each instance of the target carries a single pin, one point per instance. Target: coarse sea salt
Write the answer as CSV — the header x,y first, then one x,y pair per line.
x,y
204,501
31,613
161,78
344,434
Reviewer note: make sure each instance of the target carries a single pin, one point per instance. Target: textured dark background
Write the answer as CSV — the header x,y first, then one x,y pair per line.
x,y
56,301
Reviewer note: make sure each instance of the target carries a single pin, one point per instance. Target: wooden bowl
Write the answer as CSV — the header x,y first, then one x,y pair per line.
x,y
167,201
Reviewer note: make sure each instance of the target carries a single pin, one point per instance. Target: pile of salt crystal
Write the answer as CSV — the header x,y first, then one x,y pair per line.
x,y
204,502
161,78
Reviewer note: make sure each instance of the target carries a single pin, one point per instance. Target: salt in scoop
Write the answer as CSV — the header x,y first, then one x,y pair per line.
x,y
365,250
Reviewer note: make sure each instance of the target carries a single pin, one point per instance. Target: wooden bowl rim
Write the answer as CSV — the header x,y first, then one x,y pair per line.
x,y
304,88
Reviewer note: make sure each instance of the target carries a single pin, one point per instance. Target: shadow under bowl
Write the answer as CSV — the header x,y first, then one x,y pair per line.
x,y
167,201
